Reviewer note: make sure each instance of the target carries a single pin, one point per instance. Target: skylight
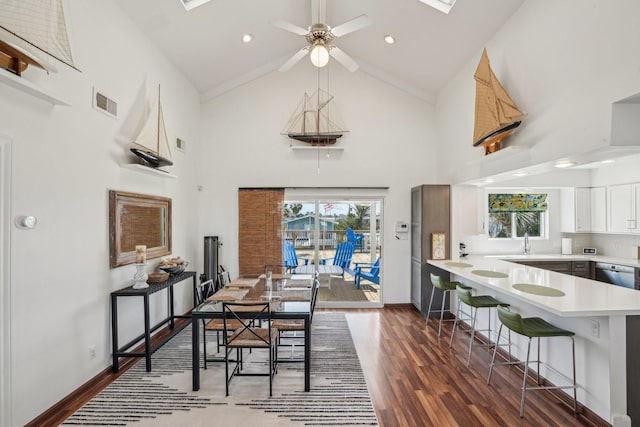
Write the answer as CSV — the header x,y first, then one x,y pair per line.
x,y
190,4
443,6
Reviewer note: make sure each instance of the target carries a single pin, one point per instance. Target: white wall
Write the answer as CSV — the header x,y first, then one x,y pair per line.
x,y
564,64
565,75
390,143
65,159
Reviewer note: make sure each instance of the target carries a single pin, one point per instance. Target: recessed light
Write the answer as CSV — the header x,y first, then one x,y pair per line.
x,y
608,161
521,174
389,39
563,165
247,38
488,181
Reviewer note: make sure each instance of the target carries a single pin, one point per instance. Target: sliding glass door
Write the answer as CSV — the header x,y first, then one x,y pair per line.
x,y
342,240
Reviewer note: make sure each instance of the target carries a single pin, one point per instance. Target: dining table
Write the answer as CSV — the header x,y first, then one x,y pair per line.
x,y
289,297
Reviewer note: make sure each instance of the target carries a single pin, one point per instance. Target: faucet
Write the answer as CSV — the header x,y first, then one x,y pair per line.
x,y
527,245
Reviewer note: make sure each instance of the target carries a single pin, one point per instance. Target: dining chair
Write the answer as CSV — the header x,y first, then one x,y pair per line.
x,y
203,291
295,326
223,278
248,336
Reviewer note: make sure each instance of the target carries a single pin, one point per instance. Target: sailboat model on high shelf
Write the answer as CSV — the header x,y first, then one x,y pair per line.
x,y
33,33
315,121
496,115
152,139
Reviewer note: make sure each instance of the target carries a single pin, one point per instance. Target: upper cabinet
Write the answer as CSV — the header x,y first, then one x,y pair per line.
x,y
598,201
575,210
622,203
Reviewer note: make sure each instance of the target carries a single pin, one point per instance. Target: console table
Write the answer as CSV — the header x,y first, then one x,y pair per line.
x,y
148,329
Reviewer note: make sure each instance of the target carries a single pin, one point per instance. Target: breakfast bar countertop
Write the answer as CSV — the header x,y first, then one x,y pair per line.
x,y
582,297
631,262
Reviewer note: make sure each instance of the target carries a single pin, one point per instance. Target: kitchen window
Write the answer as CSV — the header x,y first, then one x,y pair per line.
x,y
512,215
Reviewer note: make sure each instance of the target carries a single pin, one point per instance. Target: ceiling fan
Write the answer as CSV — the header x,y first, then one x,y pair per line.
x,y
319,37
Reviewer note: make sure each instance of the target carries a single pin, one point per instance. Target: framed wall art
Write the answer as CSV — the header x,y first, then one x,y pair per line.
x,y
439,245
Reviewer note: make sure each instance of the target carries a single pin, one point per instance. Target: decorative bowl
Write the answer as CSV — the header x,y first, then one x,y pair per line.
x,y
176,269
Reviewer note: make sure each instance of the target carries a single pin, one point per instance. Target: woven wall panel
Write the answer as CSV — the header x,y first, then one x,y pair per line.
x,y
260,229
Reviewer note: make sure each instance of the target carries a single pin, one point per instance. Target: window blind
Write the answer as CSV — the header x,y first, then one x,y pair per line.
x,y
499,203
260,229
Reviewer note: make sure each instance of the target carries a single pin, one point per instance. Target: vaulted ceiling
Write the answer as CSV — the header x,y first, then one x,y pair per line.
x,y
431,46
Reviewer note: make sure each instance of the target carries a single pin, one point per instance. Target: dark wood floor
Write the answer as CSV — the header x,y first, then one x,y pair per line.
x,y
414,378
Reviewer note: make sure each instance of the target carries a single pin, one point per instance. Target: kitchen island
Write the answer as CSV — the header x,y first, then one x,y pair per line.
x,y
605,319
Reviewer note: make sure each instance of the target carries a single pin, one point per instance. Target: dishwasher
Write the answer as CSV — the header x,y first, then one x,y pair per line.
x,y
619,275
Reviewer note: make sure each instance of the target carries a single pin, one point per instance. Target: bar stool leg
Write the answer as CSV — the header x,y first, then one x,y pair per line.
x,y
495,350
524,381
575,388
444,298
455,325
473,333
433,290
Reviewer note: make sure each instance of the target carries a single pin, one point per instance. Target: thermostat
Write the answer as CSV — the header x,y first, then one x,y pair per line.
x,y
402,230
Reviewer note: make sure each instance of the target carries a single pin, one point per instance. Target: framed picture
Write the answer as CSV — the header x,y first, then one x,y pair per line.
x,y
439,245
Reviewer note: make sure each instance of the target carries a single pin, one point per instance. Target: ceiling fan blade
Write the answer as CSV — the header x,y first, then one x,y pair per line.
x,y
351,26
294,59
346,61
318,11
288,26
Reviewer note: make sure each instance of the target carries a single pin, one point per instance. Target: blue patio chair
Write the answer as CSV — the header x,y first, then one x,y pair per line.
x,y
342,258
367,271
290,257
355,238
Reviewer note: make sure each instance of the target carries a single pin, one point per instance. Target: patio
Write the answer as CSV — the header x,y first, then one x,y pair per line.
x,y
345,290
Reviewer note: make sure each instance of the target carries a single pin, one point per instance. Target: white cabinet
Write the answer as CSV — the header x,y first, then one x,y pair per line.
x,y
575,208
621,208
598,197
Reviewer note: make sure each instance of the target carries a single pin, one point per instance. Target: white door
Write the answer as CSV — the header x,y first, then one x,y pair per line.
x,y
5,294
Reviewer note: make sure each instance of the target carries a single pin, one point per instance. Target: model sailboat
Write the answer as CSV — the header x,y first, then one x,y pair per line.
x,y
496,114
33,33
152,139
315,121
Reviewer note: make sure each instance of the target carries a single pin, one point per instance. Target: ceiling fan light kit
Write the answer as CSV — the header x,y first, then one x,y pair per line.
x,y
319,54
319,37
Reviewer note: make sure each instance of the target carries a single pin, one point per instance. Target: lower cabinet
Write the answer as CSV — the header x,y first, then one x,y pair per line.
x,y
585,269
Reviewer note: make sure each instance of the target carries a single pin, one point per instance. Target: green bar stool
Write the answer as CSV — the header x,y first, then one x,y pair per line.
x,y
534,327
475,302
445,287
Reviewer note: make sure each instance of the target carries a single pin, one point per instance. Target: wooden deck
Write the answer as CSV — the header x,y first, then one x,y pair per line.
x,y
345,290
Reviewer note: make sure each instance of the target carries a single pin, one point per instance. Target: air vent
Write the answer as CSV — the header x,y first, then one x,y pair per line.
x,y
181,144
102,102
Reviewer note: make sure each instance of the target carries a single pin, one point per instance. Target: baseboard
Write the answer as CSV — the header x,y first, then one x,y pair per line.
x,y
73,401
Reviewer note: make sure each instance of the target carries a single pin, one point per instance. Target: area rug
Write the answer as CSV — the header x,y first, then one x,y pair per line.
x,y
163,397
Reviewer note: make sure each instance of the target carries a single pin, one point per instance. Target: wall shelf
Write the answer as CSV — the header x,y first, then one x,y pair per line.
x,y
30,88
147,170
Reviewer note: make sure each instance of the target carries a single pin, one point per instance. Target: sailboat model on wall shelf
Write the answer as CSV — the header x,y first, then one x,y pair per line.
x,y
33,33
152,139
315,120
496,114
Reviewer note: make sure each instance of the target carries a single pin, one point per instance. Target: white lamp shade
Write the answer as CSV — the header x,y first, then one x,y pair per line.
x,y
319,54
